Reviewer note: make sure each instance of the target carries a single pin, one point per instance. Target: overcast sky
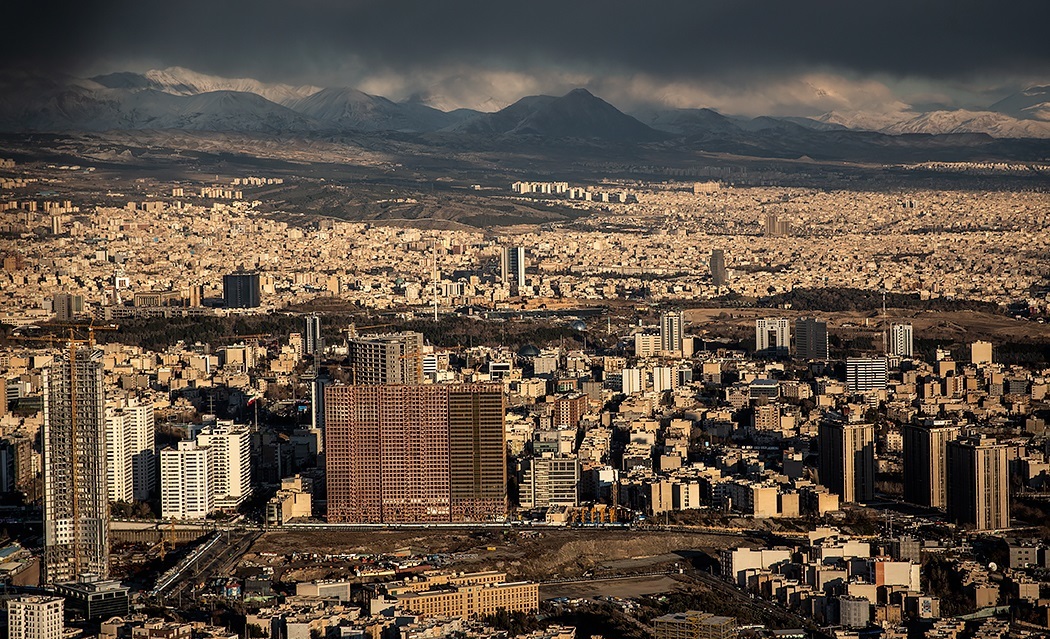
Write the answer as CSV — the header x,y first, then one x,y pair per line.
x,y
739,56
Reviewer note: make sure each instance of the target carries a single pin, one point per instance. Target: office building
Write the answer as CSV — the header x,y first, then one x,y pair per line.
x,y
719,276
395,358
900,340
548,481
773,336
846,465
131,461
415,453
925,462
230,448
978,483
76,502
313,343
512,266
67,306
866,374
35,617
671,333
241,290
811,338
187,484
95,599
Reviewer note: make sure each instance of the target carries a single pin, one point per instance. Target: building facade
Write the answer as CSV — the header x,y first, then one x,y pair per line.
x,y
811,338
925,464
900,341
76,500
396,358
241,290
847,458
773,336
978,483
35,617
415,453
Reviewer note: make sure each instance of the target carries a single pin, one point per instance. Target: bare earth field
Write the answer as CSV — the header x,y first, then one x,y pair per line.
x,y
625,588
536,555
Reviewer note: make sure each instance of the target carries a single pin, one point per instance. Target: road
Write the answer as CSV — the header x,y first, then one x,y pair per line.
x,y
216,557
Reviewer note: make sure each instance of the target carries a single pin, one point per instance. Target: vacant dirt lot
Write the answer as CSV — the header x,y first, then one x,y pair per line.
x,y
524,554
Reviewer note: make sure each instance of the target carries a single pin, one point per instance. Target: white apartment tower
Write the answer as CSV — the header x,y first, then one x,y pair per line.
x,y
231,450
35,617
131,461
900,342
76,503
187,482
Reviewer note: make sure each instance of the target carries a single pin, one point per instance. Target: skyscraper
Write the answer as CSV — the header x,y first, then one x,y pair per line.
x,y
512,265
925,465
847,458
866,373
978,483
396,358
241,290
900,342
313,343
719,277
811,338
773,336
420,453
131,462
671,332
76,503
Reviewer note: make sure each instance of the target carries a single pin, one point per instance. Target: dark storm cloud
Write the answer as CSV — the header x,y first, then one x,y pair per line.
x,y
310,40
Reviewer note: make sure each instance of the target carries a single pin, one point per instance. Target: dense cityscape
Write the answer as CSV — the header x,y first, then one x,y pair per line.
x,y
692,323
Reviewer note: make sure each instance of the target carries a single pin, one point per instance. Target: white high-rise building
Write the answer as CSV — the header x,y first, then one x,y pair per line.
x,y
512,265
231,447
35,617
131,461
186,482
866,374
900,342
550,480
76,503
671,333
120,479
773,336
312,340
663,379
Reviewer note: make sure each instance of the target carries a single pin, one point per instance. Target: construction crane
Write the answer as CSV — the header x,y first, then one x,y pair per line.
x,y
167,540
73,340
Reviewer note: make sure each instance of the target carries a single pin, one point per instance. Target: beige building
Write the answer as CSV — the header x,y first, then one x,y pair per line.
x,y
981,353
35,617
978,483
465,595
925,470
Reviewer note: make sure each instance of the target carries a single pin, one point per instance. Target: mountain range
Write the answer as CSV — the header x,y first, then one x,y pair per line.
x,y
177,98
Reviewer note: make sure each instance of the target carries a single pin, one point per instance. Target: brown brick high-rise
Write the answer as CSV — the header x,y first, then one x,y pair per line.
x,y
415,453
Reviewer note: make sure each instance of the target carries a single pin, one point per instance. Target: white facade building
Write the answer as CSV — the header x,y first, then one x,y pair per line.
x,y
187,482
35,617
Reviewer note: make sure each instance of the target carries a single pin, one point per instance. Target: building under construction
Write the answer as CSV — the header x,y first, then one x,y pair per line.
x,y
76,507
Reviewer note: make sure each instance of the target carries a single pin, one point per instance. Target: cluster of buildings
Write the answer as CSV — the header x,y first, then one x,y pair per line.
x,y
694,246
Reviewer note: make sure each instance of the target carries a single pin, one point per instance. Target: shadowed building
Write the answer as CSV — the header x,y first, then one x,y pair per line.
x,y
925,469
847,458
978,483
415,453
